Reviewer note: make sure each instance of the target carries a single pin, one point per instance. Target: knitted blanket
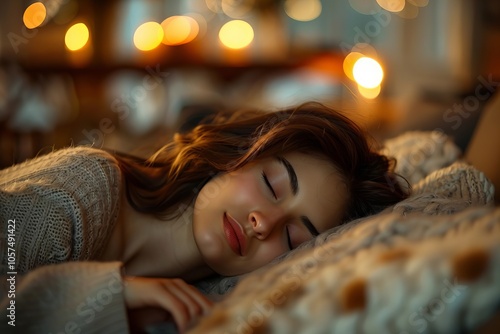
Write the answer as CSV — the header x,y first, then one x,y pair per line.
x,y
429,264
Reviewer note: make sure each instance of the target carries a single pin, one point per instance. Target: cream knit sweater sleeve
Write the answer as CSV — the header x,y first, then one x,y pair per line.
x,y
62,207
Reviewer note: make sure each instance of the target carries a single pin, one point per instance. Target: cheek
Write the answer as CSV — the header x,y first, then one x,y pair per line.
x,y
212,191
266,253
230,191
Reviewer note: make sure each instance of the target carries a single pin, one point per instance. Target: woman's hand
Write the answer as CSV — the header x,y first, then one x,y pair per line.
x,y
183,301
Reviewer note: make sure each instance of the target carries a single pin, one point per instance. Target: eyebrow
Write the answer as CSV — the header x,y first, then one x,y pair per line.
x,y
294,185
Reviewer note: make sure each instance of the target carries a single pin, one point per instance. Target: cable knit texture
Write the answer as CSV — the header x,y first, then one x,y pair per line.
x,y
64,205
419,153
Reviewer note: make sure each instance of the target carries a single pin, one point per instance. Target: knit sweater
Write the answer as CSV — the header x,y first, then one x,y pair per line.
x,y
59,211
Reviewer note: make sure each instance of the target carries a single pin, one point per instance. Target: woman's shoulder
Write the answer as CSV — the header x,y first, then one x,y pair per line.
x,y
72,154
70,196
73,160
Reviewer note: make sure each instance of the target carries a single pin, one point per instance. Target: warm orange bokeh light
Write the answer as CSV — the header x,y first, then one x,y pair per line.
x,y
236,34
77,36
303,10
394,6
34,15
148,36
179,30
349,62
369,93
367,72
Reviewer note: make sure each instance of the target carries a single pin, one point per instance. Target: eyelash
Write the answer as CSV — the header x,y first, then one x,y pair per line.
x,y
290,247
270,187
268,184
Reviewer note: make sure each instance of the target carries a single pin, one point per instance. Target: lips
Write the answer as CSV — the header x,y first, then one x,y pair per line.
x,y
234,235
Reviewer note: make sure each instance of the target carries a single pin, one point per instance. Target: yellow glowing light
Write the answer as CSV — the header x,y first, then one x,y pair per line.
x,y
369,93
367,72
179,30
349,62
34,15
303,10
148,36
236,34
77,36
392,5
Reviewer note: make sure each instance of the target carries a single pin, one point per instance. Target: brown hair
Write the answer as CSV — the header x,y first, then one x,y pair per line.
x,y
171,178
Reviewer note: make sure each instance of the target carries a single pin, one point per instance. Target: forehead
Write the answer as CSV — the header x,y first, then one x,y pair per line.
x,y
322,195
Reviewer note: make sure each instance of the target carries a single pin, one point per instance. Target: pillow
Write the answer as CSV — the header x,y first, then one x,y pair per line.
x,y
418,153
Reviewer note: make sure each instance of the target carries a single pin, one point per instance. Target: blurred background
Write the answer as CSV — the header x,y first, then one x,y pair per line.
x,y
127,74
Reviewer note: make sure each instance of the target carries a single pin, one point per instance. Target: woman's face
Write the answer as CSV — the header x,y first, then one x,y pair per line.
x,y
244,219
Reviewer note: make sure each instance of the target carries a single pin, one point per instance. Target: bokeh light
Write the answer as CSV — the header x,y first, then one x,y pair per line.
x,y
409,12
303,10
34,15
369,93
179,30
202,23
148,36
392,5
349,62
77,36
236,34
367,72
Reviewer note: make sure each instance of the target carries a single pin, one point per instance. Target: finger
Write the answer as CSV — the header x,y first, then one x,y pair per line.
x,y
205,303
169,301
182,291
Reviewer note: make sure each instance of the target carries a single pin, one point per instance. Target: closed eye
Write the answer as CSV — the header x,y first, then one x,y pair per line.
x,y
268,184
289,240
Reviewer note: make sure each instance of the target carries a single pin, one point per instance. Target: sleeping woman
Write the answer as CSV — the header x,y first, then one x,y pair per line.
x,y
96,234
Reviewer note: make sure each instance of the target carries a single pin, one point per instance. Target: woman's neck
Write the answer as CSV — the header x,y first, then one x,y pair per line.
x,y
151,247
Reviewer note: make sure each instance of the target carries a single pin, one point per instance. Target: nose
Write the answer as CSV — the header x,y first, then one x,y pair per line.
x,y
264,224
